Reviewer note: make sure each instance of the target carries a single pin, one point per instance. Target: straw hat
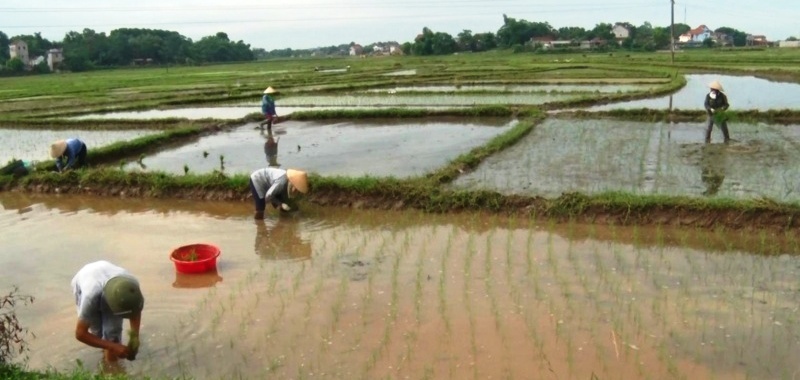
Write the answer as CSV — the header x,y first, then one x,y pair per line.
x,y
298,179
270,90
715,85
58,148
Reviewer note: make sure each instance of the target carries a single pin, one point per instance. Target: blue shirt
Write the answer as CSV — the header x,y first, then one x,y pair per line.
x,y
74,147
267,105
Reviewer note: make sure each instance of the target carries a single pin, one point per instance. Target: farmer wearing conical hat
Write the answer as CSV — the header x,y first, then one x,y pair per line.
x,y
268,108
716,103
69,154
275,186
105,295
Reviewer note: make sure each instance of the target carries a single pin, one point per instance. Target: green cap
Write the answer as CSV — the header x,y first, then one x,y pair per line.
x,y
123,295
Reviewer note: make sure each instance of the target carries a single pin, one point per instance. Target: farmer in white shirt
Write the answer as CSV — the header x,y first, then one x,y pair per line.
x,y
105,295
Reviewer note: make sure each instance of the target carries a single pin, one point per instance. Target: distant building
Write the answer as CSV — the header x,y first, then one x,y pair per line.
x,y
54,58
621,31
696,35
757,40
19,49
789,44
356,49
593,43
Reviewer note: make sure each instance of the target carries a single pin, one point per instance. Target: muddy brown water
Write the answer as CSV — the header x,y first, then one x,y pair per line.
x,y
364,294
595,156
380,147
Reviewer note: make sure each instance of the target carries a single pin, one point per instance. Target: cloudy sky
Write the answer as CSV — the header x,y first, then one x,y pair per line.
x,y
301,24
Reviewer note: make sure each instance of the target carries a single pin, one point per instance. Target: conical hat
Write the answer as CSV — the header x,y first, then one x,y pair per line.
x,y
58,148
715,85
270,90
298,179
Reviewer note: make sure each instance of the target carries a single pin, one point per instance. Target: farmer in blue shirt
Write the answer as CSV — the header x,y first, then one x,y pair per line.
x,y
69,154
268,108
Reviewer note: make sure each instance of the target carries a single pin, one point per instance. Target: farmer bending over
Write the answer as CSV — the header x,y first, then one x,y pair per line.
x,y
69,154
275,185
105,295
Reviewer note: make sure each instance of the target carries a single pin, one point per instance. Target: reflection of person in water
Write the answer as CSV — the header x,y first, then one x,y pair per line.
x,y
712,167
271,150
280,240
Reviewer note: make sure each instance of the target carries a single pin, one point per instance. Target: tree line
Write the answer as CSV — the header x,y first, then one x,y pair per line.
x,y
89,50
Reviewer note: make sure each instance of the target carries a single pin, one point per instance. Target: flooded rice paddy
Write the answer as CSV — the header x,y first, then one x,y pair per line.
x,y
744,93
399,148
34,144
335,294
585,88
414,100
593,156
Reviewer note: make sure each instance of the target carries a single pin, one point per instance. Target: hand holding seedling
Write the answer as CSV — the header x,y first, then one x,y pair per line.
x,y
133,345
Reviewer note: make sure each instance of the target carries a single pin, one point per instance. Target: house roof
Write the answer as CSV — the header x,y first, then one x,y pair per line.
x,y
699,30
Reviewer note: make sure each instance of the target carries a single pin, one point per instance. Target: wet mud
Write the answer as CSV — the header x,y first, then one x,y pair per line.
x,y
595,156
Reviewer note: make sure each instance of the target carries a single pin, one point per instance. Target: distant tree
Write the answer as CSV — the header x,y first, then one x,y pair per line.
x,y
792,38
407,48
661,37
4,42
708,42
77,61
739,37
572,33
433,43
515,32
485,41
218,48
680,29
15,65
602,31
466,41
88,49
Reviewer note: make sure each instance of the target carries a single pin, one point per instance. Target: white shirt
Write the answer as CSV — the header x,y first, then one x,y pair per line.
x,y
87,286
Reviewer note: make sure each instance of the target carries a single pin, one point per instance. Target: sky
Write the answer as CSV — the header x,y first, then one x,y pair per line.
x,y
305,24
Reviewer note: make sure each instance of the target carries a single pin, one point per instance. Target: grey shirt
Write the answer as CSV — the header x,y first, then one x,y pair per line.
x,y
271,184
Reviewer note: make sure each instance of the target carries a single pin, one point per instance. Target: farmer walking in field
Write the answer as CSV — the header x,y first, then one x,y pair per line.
x,y
268,108
105,295
275,186
69,154
716,104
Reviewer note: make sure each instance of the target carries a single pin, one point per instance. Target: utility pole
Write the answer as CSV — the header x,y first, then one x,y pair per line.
x,y
672,32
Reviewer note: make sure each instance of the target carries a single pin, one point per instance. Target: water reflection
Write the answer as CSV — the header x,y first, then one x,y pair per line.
x,y
196,280
271,148
713,158
745,93
279,239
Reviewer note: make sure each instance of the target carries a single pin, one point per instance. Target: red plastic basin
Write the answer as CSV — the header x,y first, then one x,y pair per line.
x,y
195,258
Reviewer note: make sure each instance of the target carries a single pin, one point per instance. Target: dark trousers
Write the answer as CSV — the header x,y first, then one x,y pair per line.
x,y
723,126
80,161
260,203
